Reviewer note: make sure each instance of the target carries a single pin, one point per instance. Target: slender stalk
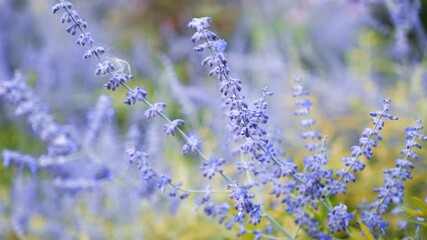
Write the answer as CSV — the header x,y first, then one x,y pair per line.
x,y
357,158
162,115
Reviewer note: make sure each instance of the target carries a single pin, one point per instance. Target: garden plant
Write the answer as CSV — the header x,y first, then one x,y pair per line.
x,y
287,130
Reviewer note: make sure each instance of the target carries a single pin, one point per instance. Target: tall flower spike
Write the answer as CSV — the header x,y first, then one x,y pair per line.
x,y
303,110
339,218
17,92
245,123
367,142
117,68
393,190
98,117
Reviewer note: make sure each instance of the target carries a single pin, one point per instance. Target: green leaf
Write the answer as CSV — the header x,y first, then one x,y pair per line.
x,y
414,213
419,223
367,234
420,204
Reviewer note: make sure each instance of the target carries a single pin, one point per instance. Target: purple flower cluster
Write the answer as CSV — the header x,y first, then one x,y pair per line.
x,y
405,17
244,205
58,138
393,189
118,69
312,184
244,122
152,176
19,160
365,148
339,218
261,180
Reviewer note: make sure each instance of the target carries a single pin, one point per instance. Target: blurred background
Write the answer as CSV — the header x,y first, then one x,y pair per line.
x,y
350,55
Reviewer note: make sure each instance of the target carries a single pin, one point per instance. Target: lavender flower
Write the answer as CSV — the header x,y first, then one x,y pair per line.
x,y
202,26
393,190
244,205
339,218
169,128
211,166
192,145
101,114
365,148
163,182
152,112
300,192
95,51
205,198
19,160
62,4
217,210
116,80
18,93
84,38
139,94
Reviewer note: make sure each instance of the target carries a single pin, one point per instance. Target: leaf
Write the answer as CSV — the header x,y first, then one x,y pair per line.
x,y
414,213
366,233
419,223
420,204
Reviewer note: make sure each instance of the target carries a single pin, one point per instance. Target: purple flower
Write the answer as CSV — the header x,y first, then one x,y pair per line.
x,y
169,128
313,134
93,51
202,29
339,218
19,160
299,90
393,189
287,168
62,4
162,182
373,220
346,176
99,117
211,166
214,210
84,38
366,144
312,225
138,94
205,198
152,111
200,24
17,92
116,80
104,68
70,16
193,144
244,205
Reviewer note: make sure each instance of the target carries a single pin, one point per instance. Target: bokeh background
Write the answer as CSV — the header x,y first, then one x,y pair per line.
x,y
350,55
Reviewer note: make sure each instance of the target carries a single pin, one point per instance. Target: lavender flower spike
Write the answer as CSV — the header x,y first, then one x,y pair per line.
x,y
20,160
393,190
